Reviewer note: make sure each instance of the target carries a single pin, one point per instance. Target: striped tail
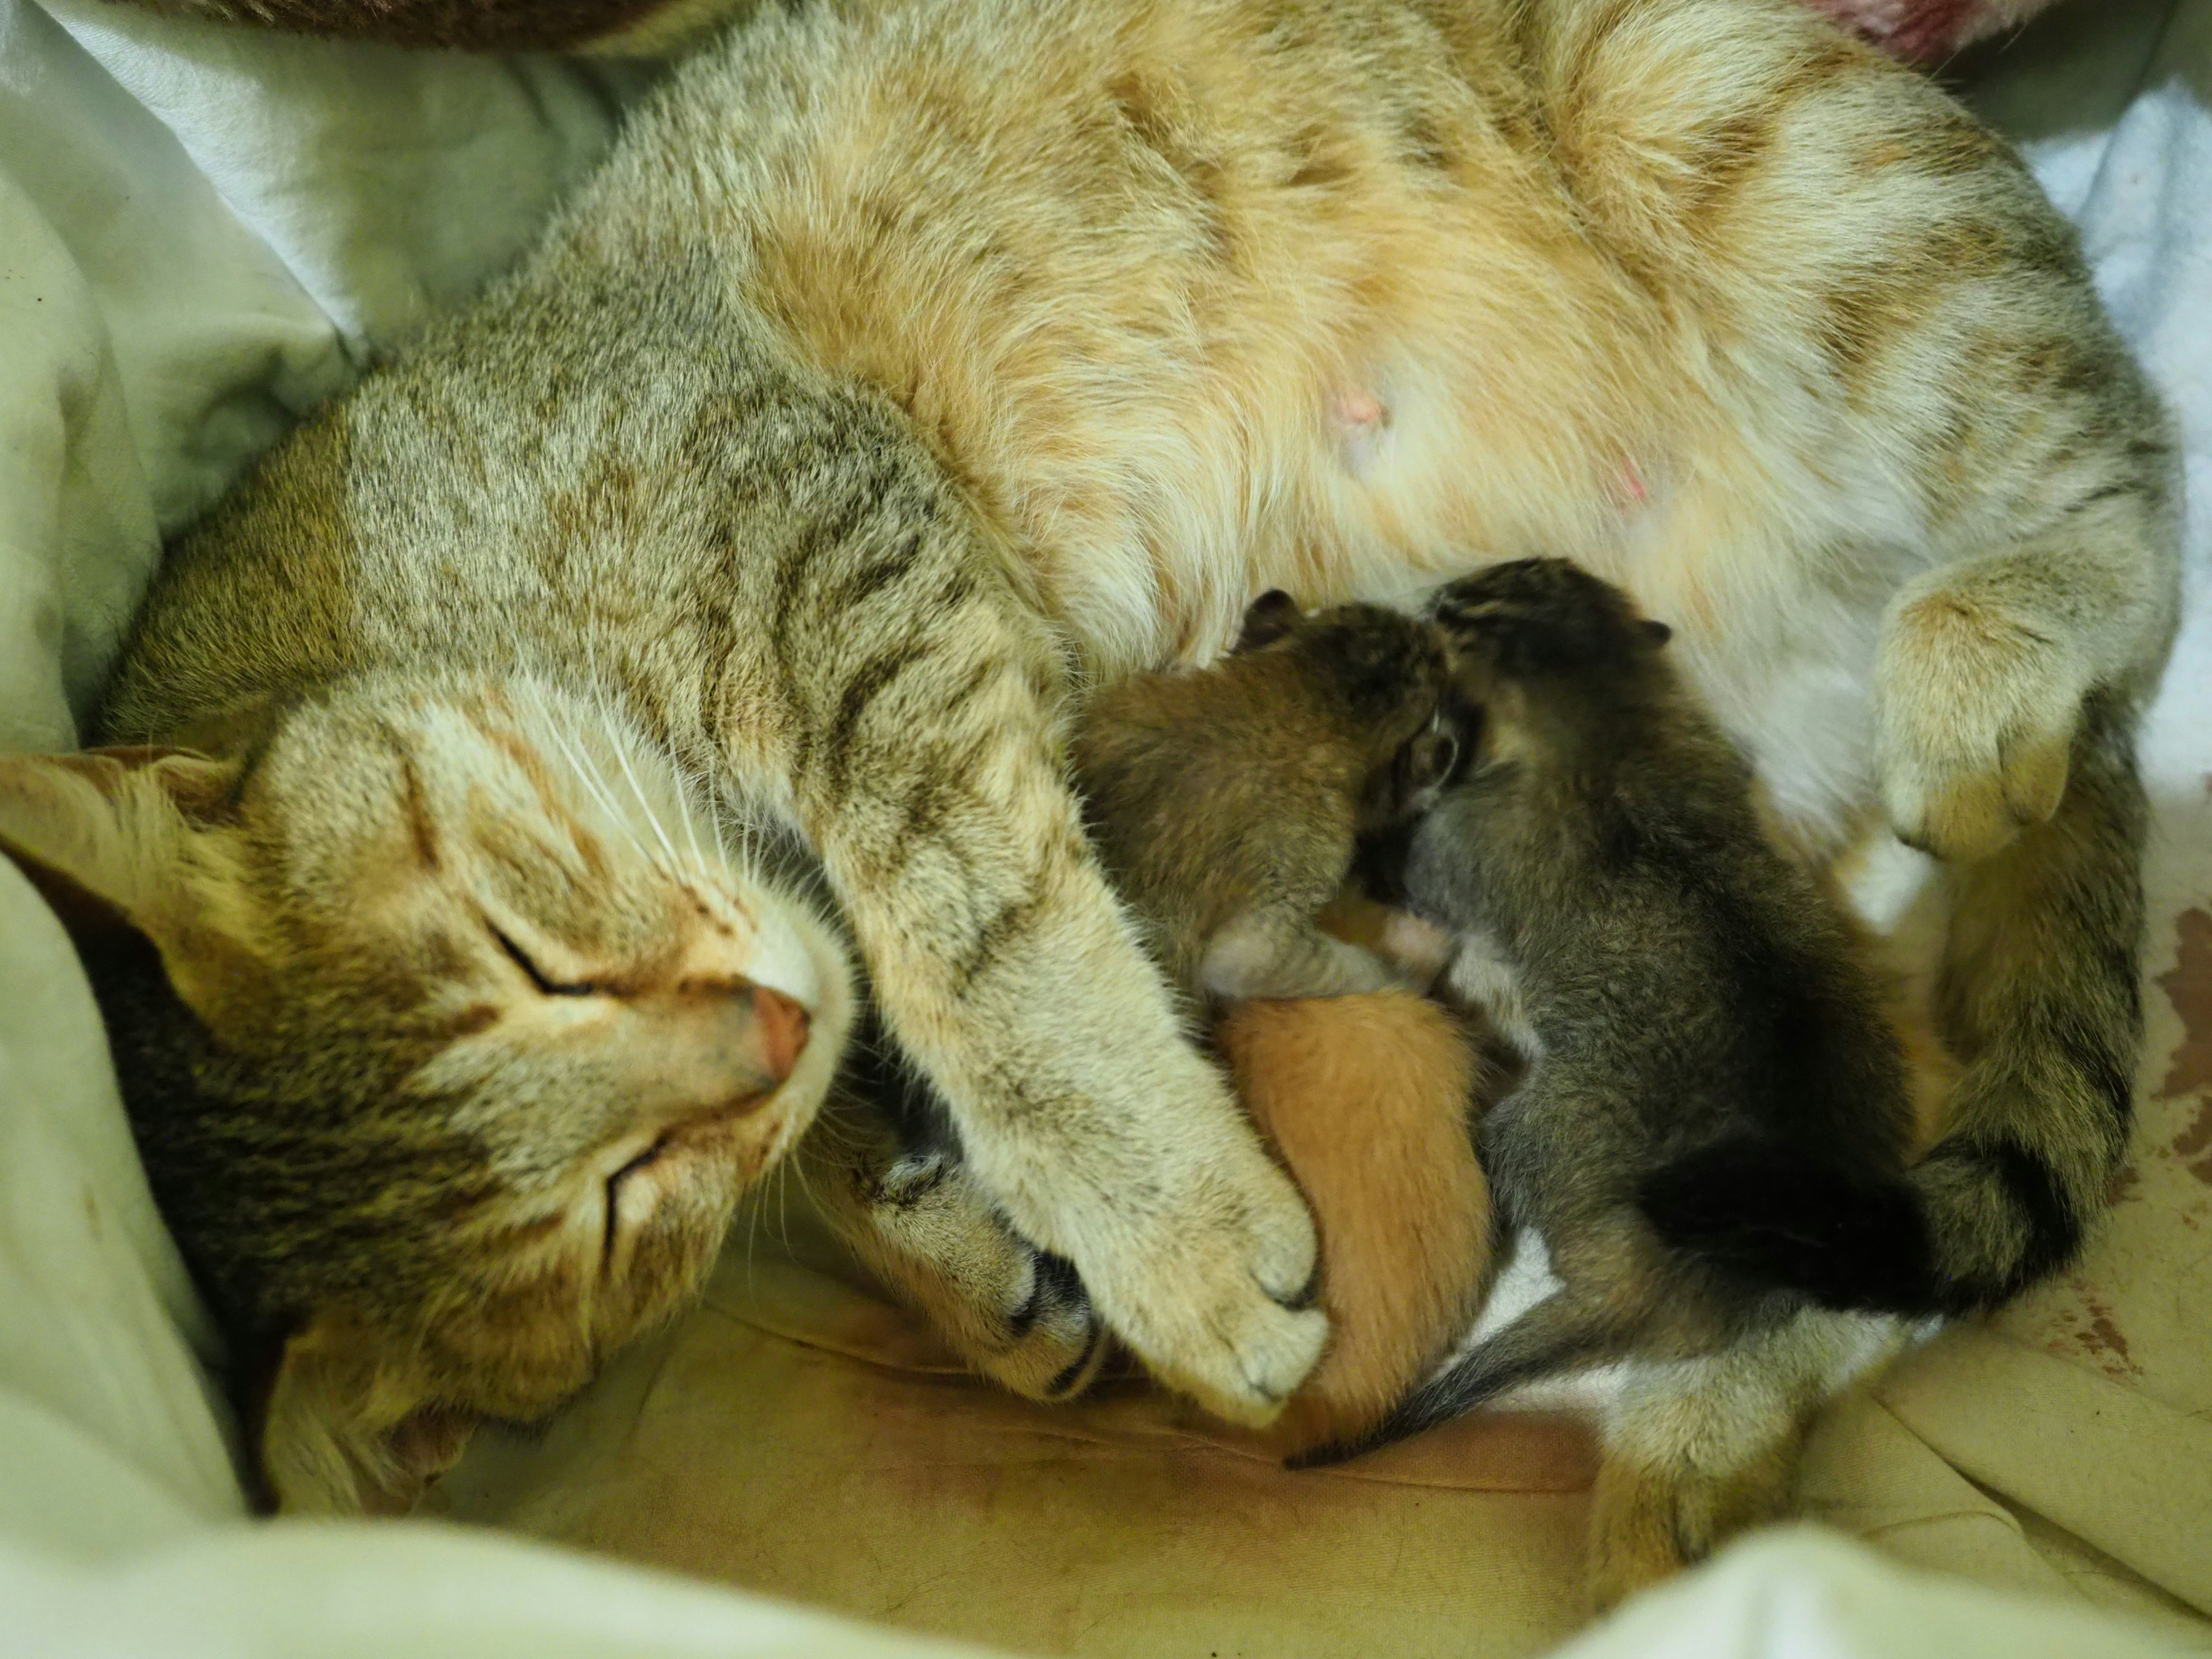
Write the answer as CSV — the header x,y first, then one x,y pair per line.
x,y
1764,1213
2040,993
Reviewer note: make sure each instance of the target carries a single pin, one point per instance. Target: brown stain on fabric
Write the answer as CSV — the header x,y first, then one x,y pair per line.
x,y
2188,987
2091,1331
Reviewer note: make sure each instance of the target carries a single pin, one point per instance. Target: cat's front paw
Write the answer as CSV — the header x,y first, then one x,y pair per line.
x,y
1208,1271
1975,714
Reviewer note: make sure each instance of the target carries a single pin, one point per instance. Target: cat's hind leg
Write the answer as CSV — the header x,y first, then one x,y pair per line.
x,y
1983,672
2038,992
924,1226
1697,1450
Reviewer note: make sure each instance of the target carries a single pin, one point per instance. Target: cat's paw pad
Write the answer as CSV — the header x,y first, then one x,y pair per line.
x,y
1053,1340
1010,1312
1975,721
1217,1295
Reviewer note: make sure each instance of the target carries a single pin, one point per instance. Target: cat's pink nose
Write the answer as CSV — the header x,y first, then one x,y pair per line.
x,y
782,1025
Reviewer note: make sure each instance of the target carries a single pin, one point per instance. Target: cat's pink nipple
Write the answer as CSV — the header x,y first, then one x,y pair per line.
x,y
1356,408
782,1024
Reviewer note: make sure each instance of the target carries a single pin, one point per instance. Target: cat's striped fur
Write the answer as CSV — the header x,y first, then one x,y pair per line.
x,y
911,361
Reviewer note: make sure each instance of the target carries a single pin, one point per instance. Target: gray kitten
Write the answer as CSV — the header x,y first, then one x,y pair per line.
x,y
1713,1128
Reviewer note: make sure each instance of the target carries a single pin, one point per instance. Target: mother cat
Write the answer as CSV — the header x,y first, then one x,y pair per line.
x,y
913,364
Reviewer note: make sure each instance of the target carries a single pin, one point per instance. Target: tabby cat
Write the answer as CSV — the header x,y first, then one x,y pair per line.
x,y
912,364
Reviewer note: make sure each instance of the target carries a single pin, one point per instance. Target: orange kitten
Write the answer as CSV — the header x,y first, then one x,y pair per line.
x,y
1367,1099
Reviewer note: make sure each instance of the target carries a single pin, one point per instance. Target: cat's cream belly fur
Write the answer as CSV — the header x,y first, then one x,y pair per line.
x,y
1270,348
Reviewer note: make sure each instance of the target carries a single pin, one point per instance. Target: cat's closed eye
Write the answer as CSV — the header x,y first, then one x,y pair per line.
x,y
546,984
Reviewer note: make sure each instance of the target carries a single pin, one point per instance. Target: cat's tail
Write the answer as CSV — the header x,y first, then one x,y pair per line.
x,y
2040,985
1768,1214
1557,1335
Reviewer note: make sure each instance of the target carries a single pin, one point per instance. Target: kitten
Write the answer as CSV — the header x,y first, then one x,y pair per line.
x,y
1713,1128
910,366
1226,803
1370,1100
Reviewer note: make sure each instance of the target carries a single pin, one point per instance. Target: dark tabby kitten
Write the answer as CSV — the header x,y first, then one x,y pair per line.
x,y
1226,803
1713,1128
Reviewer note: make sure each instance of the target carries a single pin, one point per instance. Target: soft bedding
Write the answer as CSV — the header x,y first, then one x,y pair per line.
x,y
201,233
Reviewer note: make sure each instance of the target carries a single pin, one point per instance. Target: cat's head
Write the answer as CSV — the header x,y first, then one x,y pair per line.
x,y
451,1035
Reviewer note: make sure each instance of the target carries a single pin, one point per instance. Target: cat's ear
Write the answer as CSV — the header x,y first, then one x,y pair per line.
x,y
1268,619
1656,634
107,836
347,1428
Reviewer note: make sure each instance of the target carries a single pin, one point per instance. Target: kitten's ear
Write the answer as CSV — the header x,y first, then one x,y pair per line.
x,y
1656,633
347,1430
1416,775
1268,619
107,836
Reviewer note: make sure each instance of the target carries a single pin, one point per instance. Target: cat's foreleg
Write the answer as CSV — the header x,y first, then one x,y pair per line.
x,y
924,1226
928,756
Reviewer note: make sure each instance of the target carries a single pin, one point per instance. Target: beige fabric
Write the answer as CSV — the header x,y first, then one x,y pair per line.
x,y
799,1436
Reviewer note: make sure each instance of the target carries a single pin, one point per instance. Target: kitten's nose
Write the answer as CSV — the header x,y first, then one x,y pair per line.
x,y
782,1024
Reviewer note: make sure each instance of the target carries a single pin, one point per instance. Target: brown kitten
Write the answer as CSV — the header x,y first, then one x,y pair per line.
x,y
1226,802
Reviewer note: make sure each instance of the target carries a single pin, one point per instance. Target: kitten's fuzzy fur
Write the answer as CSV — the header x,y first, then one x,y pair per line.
x,y
1713,1129
911,362
1226,803
1368,1100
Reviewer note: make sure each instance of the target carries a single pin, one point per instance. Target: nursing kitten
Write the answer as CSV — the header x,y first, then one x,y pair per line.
x,y
1226,802
1713,1127
1370,1101
912,364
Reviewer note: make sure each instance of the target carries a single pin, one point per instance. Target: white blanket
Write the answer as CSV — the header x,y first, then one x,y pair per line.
x,y
203,233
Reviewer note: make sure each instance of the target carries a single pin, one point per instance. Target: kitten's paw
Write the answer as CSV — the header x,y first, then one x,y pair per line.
x,y
1975,715
1214,1289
